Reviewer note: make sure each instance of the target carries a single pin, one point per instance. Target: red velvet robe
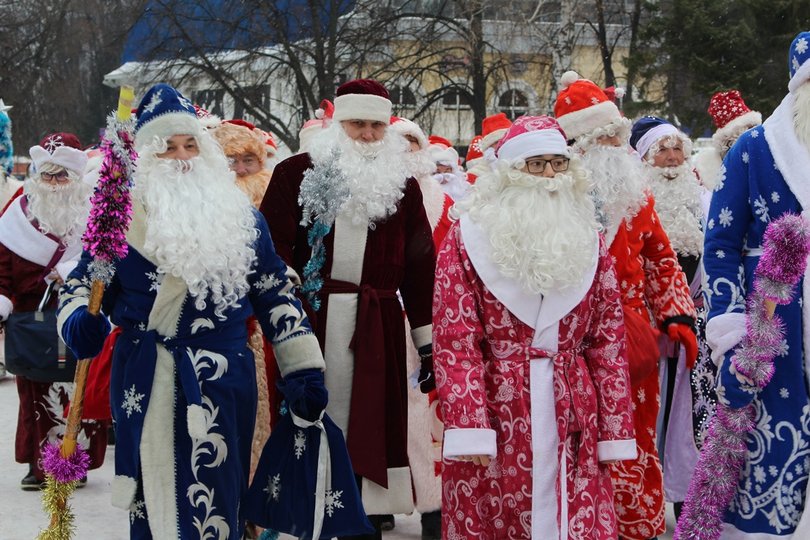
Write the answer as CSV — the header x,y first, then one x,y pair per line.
x,y
654,288
369,404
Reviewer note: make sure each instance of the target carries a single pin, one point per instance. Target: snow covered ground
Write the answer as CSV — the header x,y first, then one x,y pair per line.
x,y
22,517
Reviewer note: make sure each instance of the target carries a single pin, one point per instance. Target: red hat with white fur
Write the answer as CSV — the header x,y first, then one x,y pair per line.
x,y
582,106
493,128
362,99
403,126
474,153
532,136
323,117
731,115
63,149
442,151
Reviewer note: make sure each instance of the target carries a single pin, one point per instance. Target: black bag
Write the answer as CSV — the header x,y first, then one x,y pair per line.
x,y
34,348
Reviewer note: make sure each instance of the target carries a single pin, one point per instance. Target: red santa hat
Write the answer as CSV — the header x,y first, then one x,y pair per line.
x,y
238,136
493,128
582,106
270,145
362,99
532,136
731,115
403,126
63,149
474,153
208,120
442,151
323,117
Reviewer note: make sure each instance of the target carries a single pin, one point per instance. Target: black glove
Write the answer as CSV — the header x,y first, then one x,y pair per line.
x,y
85,333
427,381
305,392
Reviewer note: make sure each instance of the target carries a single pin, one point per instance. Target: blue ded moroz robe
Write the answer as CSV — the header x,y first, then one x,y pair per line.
x,y
764,175
183,387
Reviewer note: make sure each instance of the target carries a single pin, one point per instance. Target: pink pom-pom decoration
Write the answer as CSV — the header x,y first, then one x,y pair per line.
x,y
65,470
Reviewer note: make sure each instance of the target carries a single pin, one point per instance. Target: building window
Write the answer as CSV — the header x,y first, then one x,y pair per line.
x,y
513,103
402,98
210,100
258,97
454,99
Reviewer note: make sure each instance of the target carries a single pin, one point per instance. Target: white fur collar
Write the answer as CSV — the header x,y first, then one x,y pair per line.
x,y
21,237
432,199
791,156
541,313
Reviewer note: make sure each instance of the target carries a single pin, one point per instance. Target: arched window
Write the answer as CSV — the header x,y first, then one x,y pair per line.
x,y
513,103
454,99
402,98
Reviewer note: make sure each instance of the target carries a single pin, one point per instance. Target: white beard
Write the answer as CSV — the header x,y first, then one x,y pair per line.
x,y
541,230
61,210
677,202
199,225
376,172
619,184
801,114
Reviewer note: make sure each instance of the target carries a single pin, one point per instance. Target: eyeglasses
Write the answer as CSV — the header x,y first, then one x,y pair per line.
x,y
60,176
538,165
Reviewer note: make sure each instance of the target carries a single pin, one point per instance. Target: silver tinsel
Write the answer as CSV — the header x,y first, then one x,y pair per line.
x,y
102,271
323,192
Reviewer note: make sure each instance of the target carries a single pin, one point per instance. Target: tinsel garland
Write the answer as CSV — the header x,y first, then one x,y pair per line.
x,y
786,244
323,192
54,502
6,146
111,213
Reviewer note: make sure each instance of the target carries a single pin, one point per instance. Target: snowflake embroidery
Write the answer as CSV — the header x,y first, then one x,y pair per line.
x,y
795,64
154,280
641,396
268,282
745,157
761,209
783,393
273,488
775,197
300,444
136,511
53,142
154,102
720,254
567,100
710,224
754,134
725,218
759,474
185,102
332,501
801,45
721,178
132,401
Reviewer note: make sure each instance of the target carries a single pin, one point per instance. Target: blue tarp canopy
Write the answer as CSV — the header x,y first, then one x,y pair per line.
x,y
179,28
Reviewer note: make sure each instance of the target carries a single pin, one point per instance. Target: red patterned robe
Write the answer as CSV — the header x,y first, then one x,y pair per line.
x,y
654,288
541,384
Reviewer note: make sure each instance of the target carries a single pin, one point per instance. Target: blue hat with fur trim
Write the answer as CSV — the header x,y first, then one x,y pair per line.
x,y
799,61
6,146
647,130
164,112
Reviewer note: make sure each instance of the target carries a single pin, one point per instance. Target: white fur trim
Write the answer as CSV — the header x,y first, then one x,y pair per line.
x,y
751,118
586,120
545,442
616,450
396,499
491,139
443,154
68,157
470,163
123,492
362,107
306,135
723,333
297,353
21,237
790,155
801,76
469,442
167,125
648,139
64,268
707,163
195,422
6,307
433,199
403,126
534,143
422,336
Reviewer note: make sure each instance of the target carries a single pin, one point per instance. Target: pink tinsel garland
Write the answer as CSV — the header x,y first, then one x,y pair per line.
x,y
786,244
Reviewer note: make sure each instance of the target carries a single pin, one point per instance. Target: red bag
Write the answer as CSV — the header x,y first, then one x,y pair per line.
x,y
642,345
97,391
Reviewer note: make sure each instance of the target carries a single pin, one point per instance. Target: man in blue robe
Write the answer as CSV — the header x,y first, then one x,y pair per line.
x,y
200,261
764,175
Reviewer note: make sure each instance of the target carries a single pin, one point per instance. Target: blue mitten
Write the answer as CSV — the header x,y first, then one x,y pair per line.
x,y
85,333
305,393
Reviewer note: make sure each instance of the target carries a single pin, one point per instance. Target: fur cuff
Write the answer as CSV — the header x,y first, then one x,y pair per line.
x,y
123,492
469,442
6,307
195,422
422,336
66,311
299,352
723,333
616,450
65,268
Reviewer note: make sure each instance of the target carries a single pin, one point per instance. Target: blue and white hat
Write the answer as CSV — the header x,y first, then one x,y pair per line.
x,y
164,112
647,130
799,61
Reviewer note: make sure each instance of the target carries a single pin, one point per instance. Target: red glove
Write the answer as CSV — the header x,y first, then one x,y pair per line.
x,y
684,335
